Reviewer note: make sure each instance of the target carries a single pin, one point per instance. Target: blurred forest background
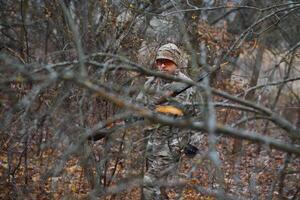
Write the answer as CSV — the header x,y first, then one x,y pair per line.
x,y
70,71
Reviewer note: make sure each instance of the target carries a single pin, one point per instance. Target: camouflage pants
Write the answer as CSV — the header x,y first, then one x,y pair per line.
x,y
163,154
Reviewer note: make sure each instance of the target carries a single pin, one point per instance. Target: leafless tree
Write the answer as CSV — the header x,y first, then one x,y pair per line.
x,y
70,72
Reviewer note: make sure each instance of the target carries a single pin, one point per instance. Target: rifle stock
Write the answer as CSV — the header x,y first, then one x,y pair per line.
x,y
164,98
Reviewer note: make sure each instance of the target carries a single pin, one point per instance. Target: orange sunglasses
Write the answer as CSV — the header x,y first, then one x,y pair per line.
x,y
165,62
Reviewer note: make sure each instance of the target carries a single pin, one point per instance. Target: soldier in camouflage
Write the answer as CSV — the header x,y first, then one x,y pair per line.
x,y
166,143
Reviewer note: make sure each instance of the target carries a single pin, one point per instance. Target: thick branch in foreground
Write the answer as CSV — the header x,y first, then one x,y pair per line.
x,y
181,123
292,130
163,183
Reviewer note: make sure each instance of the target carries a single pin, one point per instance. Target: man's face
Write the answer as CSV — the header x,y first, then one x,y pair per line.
x,y
166,65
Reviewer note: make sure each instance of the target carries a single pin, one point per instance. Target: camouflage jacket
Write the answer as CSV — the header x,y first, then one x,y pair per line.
x,y
166,140
155,88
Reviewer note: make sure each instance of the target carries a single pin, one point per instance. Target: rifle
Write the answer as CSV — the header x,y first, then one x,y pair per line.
x,y
183,87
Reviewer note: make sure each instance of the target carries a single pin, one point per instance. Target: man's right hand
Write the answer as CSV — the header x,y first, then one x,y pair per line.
x,y
190,150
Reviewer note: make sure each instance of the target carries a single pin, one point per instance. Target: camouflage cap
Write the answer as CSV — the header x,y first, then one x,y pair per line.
x,y
171,52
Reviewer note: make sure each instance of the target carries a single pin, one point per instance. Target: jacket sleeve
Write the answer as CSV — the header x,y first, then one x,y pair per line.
x,y
191,101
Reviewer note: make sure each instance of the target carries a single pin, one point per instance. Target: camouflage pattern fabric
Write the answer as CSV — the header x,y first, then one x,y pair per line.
x,y
165,144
